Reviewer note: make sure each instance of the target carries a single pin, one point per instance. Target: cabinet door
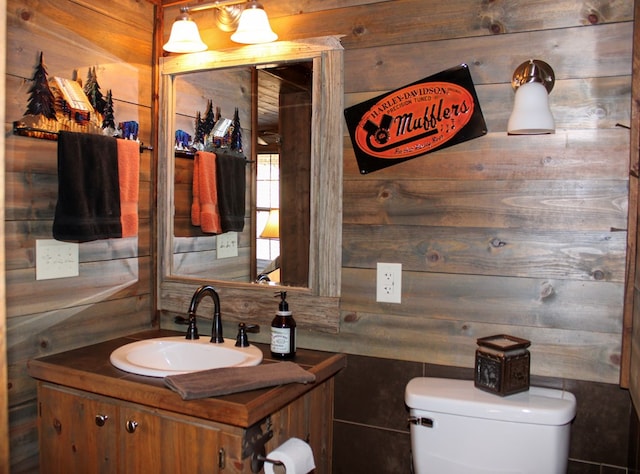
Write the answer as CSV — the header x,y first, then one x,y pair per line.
x,y
77,435
162,442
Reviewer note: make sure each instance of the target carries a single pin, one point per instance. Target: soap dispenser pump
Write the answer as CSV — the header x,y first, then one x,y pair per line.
x,y
283,331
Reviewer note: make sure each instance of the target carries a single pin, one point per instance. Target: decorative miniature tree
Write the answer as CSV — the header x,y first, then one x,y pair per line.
x,y
199,130
209,119
41,99
236,133
109,120
92,91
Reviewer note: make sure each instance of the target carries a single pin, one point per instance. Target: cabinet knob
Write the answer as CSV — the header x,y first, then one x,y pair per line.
x,y
101,419
131,426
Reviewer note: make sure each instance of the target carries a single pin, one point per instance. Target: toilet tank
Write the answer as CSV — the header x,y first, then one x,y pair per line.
x,y
459,429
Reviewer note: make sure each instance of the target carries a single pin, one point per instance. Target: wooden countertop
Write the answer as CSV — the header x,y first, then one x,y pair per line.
x,y
89,369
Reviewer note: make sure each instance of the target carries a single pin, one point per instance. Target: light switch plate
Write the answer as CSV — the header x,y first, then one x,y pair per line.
x,y
55,259
227,245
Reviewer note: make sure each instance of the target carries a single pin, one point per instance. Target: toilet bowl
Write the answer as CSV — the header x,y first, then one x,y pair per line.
x,y
459,429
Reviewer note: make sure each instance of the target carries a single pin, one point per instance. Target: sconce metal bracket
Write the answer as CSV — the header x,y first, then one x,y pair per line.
x,y
534,70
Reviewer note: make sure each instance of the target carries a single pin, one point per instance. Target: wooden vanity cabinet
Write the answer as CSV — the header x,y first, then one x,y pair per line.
x,y
94,418
84,433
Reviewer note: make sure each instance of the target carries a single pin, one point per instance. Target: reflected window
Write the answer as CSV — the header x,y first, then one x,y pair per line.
x,y
267,215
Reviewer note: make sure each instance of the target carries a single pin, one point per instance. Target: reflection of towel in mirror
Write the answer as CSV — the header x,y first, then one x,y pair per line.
x,y
88,206
128,171
231,179
204,207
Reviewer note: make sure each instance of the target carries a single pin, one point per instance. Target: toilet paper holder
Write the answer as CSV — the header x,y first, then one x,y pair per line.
x,y
264,459
253,444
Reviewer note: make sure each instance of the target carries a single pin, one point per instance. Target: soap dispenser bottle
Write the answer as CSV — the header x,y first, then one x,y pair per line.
x,y
283,331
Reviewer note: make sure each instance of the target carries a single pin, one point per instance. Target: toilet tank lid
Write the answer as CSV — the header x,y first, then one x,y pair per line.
x,y
541,406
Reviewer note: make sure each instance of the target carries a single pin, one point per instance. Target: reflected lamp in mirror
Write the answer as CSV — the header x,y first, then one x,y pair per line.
x,y
532,81
272,227
250,23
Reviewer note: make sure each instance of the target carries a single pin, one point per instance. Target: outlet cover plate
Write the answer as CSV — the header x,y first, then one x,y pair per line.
x,y
227,245
389,283
55,259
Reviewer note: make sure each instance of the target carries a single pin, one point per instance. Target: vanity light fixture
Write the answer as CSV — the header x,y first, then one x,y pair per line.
x,y
250,23
532,81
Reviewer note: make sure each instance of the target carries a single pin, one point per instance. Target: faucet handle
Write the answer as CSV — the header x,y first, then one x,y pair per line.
x,y
241,339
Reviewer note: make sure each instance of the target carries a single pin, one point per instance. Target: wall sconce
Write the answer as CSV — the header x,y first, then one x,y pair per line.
x,y
250,23
533,80
272,227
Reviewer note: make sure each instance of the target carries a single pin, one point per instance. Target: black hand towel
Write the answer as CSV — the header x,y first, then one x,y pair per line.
x,y
216,382
231,184
88,206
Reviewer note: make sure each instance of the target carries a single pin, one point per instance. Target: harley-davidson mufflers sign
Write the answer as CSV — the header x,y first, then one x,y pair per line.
x,y
436,112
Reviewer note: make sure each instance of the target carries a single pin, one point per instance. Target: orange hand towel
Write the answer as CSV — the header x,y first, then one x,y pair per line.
x,y
129,178
204,208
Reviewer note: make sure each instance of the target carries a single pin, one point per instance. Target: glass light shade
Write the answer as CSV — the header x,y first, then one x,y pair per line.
x,y
272,228
254,26
184,37
531,113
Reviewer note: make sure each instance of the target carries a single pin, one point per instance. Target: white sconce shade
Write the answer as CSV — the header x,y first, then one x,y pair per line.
x,y
184,37
254,26
531,115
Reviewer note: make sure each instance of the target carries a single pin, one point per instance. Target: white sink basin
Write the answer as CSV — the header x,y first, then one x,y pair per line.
x,y
176,355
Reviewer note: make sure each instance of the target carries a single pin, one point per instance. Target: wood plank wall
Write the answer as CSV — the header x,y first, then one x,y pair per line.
x,y
114,293
524,235
518,235
632,296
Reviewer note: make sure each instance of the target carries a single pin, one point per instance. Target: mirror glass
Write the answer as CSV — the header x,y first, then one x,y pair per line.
x,y
276,184
287,98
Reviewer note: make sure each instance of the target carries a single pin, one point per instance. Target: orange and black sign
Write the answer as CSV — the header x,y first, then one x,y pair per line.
x,y
436,112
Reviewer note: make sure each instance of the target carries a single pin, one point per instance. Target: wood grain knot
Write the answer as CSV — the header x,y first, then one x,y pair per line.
x,y
25,15
359,30
433,257
384,194
351,318
546,290
57,426
497,243
593,19
496,28
598,275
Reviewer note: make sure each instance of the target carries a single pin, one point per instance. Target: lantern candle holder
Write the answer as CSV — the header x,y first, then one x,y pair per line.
x,y
502,364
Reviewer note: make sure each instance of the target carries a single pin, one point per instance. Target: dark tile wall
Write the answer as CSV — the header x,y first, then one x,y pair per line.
x,y
371,433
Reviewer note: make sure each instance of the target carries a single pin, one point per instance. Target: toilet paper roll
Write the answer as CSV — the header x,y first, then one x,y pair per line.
x,y
295,454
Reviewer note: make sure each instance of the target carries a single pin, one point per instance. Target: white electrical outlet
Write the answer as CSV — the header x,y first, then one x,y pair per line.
x,y
55,259
389,283
227,245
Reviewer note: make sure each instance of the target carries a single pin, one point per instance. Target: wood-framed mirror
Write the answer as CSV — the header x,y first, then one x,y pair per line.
x,y
317,300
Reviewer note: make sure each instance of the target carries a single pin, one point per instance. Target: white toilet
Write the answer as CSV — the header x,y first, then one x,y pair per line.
x,y
459,429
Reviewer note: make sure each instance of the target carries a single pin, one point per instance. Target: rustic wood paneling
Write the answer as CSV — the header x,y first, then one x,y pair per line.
x,y
114,293
631,335
590,154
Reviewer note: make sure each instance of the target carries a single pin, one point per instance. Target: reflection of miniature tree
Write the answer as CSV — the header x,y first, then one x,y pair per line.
x,y
209,119
41,100
92,91
109,120
236,134
199,132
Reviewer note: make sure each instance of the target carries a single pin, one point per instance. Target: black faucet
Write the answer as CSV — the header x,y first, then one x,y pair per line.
x,y
216,328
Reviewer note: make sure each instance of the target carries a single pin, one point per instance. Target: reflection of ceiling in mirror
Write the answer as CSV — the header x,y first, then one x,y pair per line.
x,y
270,81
